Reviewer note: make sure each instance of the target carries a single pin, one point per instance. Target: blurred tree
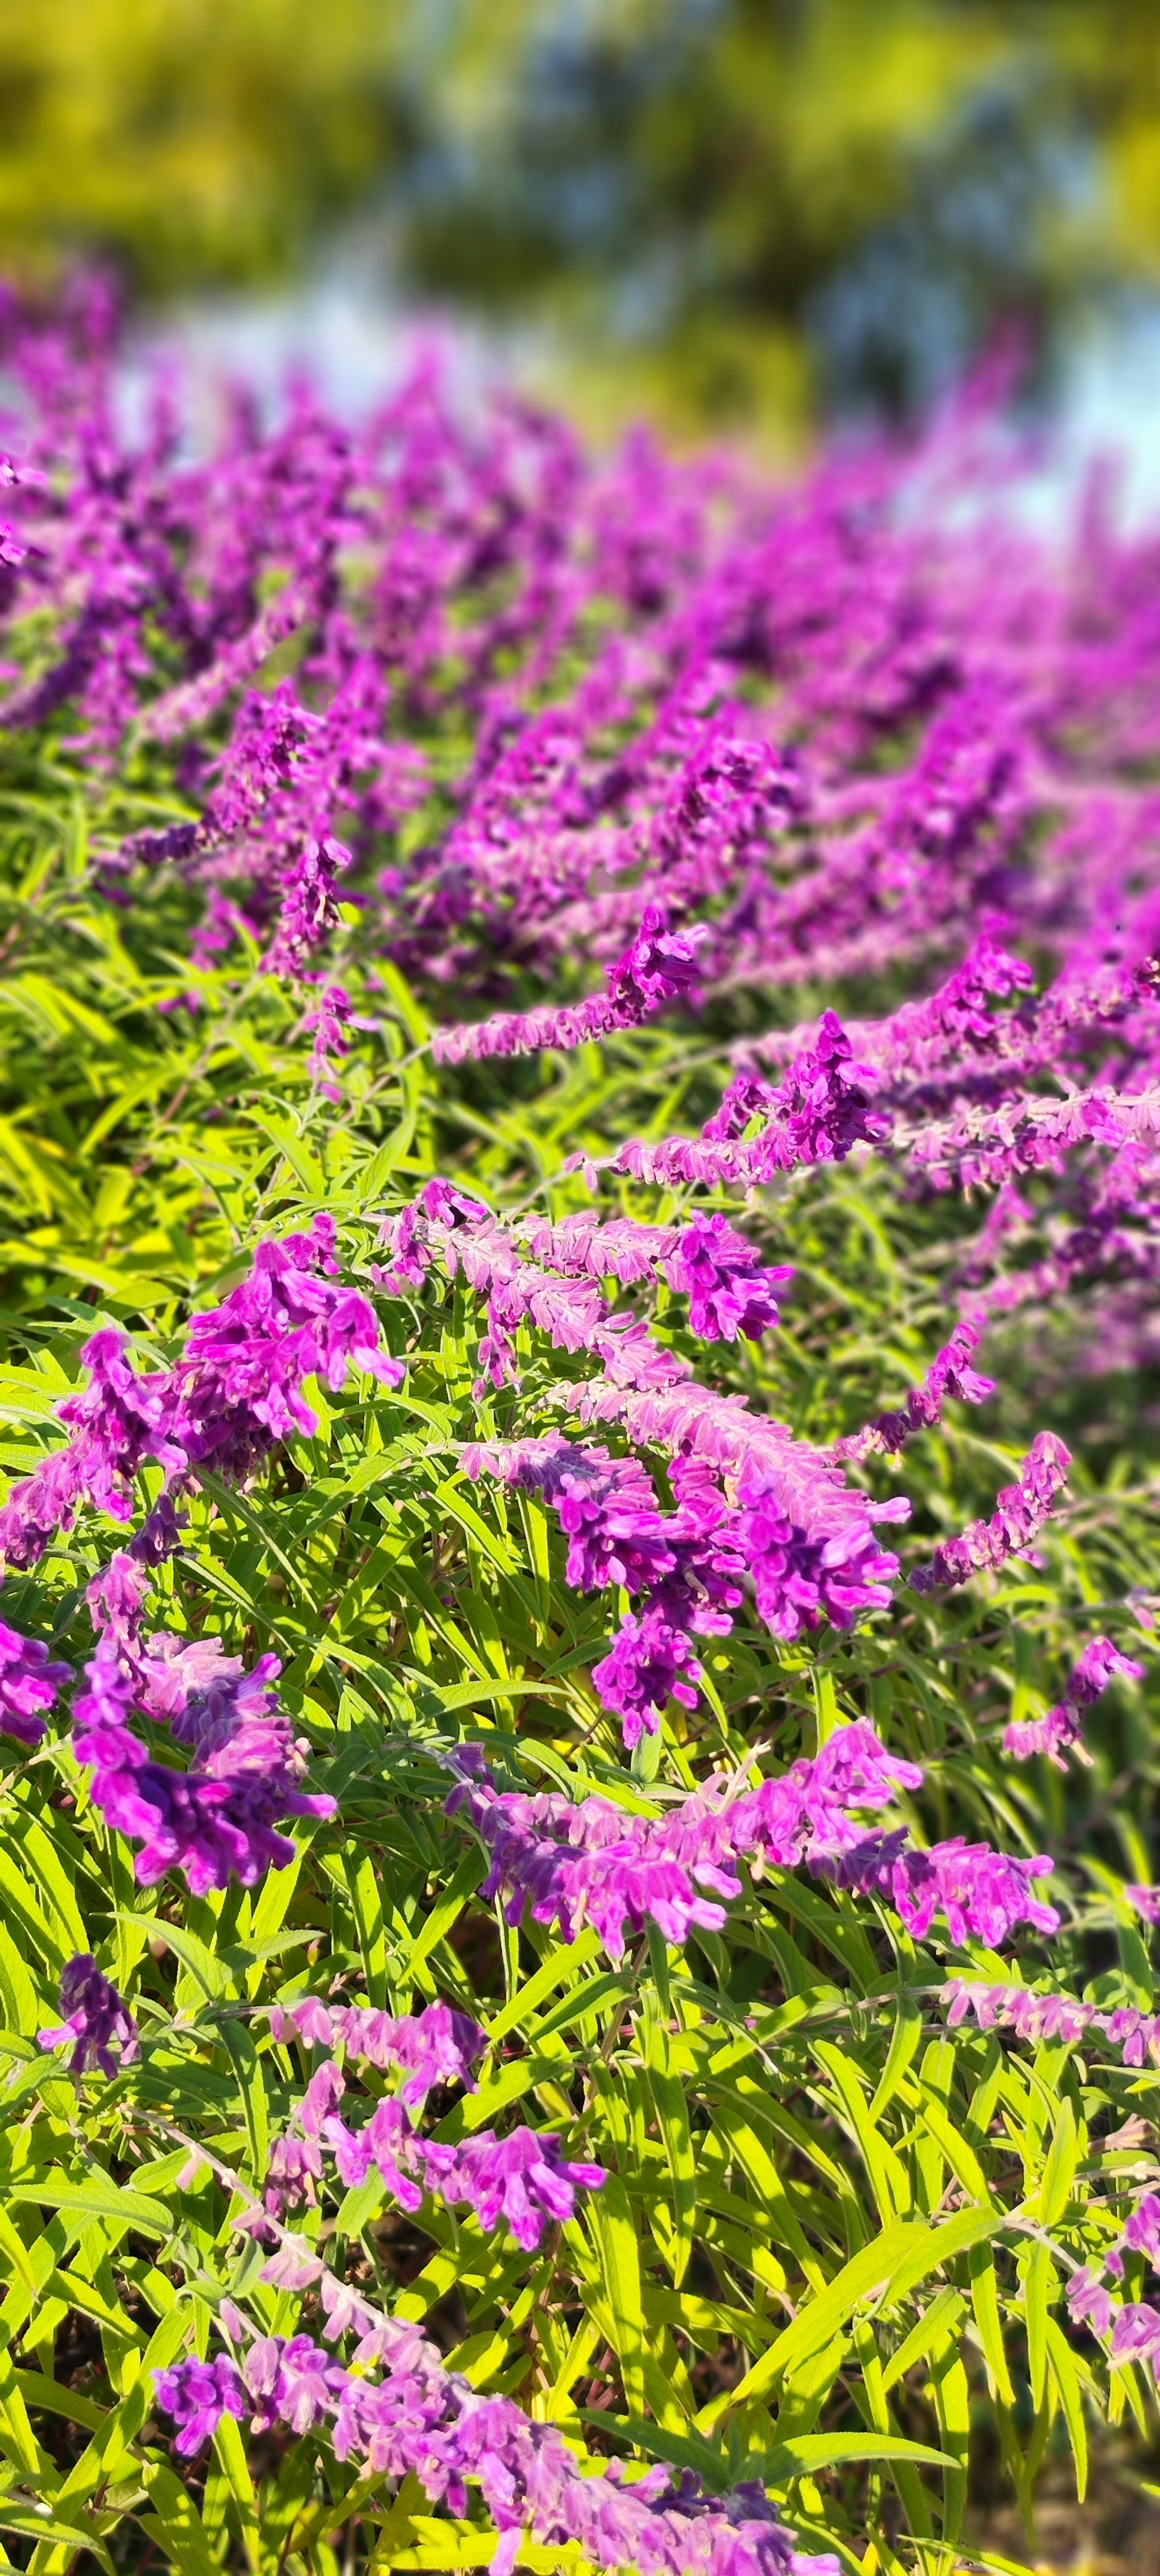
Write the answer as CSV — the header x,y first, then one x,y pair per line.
x,y
737,202
849,194
190,140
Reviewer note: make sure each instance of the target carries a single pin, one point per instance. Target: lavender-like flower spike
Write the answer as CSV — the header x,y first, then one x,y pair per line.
x,y
522,2179
424,2421
817,1115
234,1393
984,1895
593,1863
1019,1512
659,964
950,1373
97,2022
28,1684
1035,2016
1058,1733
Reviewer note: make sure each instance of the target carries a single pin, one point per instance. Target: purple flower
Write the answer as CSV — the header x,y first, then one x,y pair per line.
x,y
950,1373
28,1683
217,1818
1059,1732
435,2046
985,1895
1089,2301
1141,2233
522,2179
423,2421
659,964
649,1662
1136,2336
592,1862
714,1268
1020,1512
816,1115
235,1392
1019,2008
96,2020
197,2394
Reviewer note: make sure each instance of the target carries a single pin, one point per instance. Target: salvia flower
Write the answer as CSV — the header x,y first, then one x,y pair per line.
x,y
660,963
1020,1512
594,1863
423,2421
29,1682
950,1373
435,2046
235,1392
217,1818
97,2024
1058,1733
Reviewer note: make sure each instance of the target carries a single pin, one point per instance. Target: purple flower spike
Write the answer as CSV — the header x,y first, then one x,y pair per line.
x,y
1058,1733
1020,1512
96,2020
421,2420
659,964
217,1818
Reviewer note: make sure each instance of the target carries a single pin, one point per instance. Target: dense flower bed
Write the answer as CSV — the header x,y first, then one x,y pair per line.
x,y
575,1869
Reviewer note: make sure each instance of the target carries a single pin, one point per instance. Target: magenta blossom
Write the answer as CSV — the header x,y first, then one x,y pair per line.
x,y
97,2022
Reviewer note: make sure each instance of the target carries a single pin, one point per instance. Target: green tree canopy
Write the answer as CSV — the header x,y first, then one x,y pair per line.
x,y
740,199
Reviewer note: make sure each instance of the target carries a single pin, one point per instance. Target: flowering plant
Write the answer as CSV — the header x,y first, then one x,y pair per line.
x,y
575,1884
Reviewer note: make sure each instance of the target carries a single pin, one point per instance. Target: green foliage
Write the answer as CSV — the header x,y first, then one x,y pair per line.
x,y
835,2237
723,208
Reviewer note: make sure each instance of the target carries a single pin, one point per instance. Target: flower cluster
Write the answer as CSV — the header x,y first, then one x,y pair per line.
x,y
659,964
816,1115
689,1564
1058,1733
1020,1511
97,2024
421,2420
522,2179
434,725
950,1373
595,1863
1053,2016
29,1682
235,1392
218,1817
435,2046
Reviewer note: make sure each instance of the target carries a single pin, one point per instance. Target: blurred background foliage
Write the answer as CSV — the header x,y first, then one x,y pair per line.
x,y
730,205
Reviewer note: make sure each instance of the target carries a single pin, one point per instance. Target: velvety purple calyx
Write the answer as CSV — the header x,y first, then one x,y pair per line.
x,y
97,2023
435,2046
